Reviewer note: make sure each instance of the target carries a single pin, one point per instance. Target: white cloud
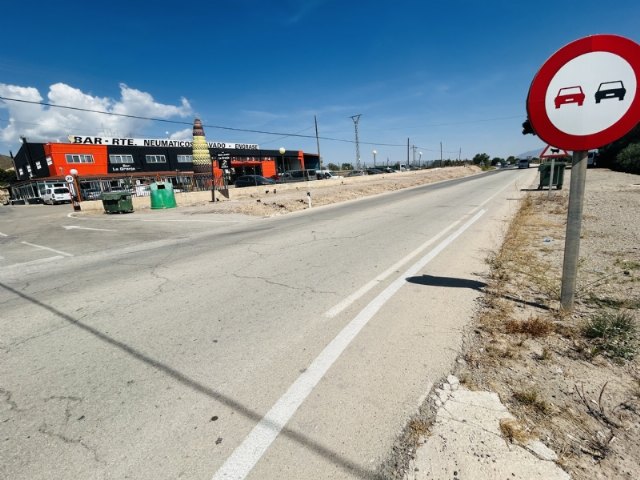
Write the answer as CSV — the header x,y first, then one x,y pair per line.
x,y
44,123
186,134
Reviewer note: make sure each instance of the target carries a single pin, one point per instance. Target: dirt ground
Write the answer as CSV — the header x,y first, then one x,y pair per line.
x,y
572,380
282,199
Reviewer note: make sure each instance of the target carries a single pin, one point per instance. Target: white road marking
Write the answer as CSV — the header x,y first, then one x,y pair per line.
x,y
253,447
193,221
3,234
337,309
35,262
60,252
75,227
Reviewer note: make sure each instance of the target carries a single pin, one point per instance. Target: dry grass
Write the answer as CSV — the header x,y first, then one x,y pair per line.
x,y
522,334
533,327
513,431
531,398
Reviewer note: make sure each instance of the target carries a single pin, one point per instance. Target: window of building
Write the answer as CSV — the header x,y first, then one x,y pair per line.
x,y
82,158
156,159
120,158
185,158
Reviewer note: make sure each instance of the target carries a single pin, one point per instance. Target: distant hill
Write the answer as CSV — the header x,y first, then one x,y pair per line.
x,y
5,162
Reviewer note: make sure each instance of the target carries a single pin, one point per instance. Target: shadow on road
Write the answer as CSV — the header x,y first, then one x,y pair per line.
x,y
344,463
448,282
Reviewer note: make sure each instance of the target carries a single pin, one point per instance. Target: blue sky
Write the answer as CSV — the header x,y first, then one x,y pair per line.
x,y
455,72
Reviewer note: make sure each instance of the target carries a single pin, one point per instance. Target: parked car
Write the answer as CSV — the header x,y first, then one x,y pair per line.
x,y
355,173
523,163
611,90
252,181
374,171
55,195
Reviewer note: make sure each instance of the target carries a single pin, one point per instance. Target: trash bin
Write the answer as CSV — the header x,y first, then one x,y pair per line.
x,y
162,195
545,175
117,202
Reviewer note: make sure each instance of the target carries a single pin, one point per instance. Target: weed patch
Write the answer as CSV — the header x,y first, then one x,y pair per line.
x,y
614,335
534,327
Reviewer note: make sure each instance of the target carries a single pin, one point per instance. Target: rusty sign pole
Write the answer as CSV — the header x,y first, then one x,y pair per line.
x,y
574,226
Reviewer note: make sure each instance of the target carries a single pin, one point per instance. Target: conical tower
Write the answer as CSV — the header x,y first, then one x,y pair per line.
x,y
201,155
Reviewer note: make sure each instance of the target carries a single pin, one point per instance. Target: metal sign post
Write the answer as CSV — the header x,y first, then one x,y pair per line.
x,y
574,227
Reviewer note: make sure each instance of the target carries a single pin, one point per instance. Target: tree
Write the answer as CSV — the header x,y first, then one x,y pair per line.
x,y
7,176
481,159
496,160
629,159
333,167
608,155
346,166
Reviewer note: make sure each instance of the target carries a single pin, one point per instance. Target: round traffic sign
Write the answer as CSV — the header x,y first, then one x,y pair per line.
x,y
69,178
586,95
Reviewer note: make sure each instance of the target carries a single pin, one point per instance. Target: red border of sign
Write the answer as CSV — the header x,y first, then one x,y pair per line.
x,y
542,125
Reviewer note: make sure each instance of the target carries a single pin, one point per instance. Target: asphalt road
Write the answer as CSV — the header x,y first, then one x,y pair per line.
x,y
174,344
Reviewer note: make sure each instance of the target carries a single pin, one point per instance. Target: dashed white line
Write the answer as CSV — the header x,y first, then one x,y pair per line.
x,y
41,247
35,262
3,234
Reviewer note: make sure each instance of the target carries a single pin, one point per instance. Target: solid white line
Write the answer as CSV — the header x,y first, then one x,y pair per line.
x,y
3,234
75,227
192,221
35,262
336,309
249,452
47,248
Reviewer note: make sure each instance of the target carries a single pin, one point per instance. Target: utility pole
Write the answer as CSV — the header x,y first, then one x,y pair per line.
x,y
407,152
356,119
315,120
441,154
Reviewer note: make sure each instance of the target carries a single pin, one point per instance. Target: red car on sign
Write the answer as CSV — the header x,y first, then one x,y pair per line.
x,y
569,95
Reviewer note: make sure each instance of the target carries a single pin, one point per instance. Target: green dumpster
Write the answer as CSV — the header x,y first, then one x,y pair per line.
x,y
117,202
162,195
545,175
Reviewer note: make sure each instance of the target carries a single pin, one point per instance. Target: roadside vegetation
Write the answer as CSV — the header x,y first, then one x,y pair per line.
x,y
571,379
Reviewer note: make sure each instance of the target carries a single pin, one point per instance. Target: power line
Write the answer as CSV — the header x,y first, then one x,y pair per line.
x,y
220,127
178,122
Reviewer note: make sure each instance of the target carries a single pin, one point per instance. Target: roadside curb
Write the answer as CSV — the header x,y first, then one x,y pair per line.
x,y
466,441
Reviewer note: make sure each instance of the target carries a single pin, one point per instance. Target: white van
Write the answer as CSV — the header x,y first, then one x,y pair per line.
x,y
54,195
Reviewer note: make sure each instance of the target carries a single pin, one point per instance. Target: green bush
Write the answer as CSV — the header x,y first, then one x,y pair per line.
x,y
613,335
628,159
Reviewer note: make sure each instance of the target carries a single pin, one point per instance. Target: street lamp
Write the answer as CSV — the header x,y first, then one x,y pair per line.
x,y
375,152
420,159
282,150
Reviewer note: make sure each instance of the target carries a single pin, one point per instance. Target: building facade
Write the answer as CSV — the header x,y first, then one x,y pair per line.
x,y
103,163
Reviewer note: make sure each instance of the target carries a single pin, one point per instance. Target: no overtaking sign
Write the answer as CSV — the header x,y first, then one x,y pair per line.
x,y
586,95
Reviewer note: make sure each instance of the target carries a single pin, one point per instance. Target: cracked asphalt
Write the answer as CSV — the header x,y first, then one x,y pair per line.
x,y
153,349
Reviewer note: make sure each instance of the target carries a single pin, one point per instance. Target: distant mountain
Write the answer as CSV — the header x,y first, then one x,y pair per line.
x,y
5,162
